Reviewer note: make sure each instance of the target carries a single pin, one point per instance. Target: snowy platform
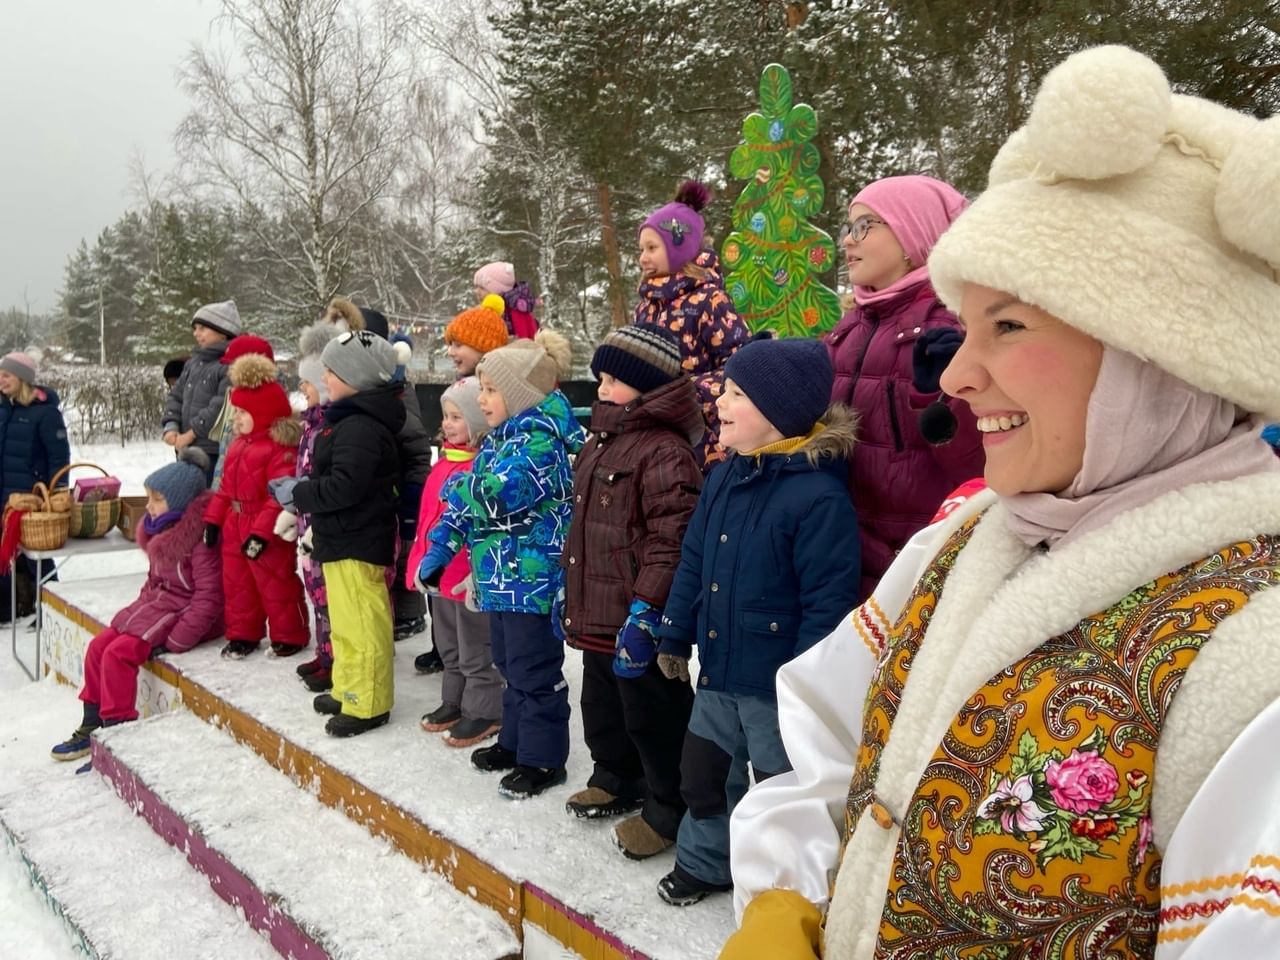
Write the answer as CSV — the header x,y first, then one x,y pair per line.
x,y
540,869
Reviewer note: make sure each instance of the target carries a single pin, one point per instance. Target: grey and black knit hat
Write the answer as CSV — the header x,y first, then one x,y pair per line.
x,y
642,356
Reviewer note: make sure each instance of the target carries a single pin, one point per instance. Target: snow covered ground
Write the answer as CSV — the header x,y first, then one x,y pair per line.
x,y
37,716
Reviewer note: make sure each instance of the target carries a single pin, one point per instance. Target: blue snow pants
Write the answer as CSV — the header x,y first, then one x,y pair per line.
x,y
725,732
535,703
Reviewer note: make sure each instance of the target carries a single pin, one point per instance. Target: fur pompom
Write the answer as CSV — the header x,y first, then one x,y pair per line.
x,y
343,312
693,193
1247,203
252,371
404,353
313,339
195,456
495,303
1101,113
558,349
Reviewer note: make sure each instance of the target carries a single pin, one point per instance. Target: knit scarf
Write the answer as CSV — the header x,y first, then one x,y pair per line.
x,y
153,525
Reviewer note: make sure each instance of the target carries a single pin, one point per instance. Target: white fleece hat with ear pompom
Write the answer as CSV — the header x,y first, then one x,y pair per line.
x,y
1146,219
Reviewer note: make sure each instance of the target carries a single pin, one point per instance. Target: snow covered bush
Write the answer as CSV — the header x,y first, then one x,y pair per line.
x,y
121,402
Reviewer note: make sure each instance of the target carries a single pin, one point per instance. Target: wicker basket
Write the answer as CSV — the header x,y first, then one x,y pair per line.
x,y
45,529
132,509
88,520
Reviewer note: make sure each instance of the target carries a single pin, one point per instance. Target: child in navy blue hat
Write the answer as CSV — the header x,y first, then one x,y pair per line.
x,y
768,567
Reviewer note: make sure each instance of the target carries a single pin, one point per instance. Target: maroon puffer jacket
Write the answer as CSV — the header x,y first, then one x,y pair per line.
x,y
635,485
181,603
897,479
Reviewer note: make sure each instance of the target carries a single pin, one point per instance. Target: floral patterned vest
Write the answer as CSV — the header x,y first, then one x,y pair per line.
x,y
1029,833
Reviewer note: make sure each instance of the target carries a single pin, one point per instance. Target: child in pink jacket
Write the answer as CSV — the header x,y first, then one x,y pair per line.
x,y
179,607
471,692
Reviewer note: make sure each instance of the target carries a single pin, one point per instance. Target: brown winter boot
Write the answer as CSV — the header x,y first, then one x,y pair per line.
x,y
596,804
639,841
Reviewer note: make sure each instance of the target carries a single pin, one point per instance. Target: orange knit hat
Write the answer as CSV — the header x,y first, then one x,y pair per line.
x,y
480,328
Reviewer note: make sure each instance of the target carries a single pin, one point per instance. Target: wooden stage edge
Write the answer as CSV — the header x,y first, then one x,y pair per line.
x,y
515,901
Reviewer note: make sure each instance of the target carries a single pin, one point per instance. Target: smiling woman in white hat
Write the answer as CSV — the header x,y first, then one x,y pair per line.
x,y
1011,747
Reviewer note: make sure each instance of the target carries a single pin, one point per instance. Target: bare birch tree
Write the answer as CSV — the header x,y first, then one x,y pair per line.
x,y
302,122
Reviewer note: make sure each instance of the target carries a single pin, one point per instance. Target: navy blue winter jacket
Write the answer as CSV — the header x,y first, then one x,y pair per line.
x,y
770,563
33,443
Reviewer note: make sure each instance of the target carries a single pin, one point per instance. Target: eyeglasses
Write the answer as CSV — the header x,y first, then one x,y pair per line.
x,y
857,231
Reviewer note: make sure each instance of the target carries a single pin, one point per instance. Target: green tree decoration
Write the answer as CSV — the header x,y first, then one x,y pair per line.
x,y
774,254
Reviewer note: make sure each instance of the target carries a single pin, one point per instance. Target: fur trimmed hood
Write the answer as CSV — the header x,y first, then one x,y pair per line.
x,y
837,438
287,431
172,544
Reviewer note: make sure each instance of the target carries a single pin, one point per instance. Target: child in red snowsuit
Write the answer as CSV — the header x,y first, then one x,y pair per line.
x,y
180,604
259,569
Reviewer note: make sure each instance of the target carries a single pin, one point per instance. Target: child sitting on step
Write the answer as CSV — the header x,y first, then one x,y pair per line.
x,y
513,510
471,690
180,604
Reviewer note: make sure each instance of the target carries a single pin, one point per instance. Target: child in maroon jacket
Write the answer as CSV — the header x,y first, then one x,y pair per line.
x,y
635,486
259,568
180,604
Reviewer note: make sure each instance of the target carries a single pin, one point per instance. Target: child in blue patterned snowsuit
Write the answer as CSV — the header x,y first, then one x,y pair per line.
x,y
513,511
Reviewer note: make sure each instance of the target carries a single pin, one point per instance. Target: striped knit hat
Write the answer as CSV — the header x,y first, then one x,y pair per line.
x,y
642,356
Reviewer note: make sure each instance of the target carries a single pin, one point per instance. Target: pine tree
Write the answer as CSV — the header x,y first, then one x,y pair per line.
x,y
774,254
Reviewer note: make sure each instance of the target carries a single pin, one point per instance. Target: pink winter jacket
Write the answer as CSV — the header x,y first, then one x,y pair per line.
x,y
181,603
897,479
430,511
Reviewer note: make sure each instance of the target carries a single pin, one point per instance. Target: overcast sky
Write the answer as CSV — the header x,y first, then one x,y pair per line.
x,y
84,84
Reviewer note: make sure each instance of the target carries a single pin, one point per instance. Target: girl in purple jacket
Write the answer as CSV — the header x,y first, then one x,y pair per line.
x,y
915,445
180,604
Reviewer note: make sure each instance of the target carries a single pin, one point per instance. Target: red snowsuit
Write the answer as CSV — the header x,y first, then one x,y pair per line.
x,y
265,591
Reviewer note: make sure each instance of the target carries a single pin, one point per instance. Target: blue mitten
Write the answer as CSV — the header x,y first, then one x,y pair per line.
x,y
637,640
432,566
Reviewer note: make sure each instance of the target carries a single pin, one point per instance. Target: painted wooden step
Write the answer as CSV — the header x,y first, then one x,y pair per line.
x,y
317,884
121,892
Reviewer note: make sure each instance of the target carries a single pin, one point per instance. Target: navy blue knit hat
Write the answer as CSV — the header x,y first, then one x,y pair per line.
x,y
789,381
181,482
643,356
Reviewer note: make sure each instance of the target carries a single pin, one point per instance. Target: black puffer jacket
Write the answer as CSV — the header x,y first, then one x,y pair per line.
x,y
355,469
196,399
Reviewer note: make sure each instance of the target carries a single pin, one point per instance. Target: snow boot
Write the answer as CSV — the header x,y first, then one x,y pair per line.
x,y
314,665
494,758
441,718
320,681
428,663
327,704
472,730
286,649
76,745
411,627
682,889
84,768
596,804
345,725
239,649
524,782
639,841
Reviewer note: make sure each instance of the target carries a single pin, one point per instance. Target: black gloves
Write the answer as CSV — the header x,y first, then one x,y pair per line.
x,y
211,533
932,352
253,547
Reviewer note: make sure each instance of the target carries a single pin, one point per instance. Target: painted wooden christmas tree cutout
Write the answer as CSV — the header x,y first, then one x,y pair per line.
x,y
774,254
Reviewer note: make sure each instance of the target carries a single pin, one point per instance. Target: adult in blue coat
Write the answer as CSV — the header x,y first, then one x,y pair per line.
x,y
33,447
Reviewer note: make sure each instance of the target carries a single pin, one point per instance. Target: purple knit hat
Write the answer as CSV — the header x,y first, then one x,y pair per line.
x,y
680,225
